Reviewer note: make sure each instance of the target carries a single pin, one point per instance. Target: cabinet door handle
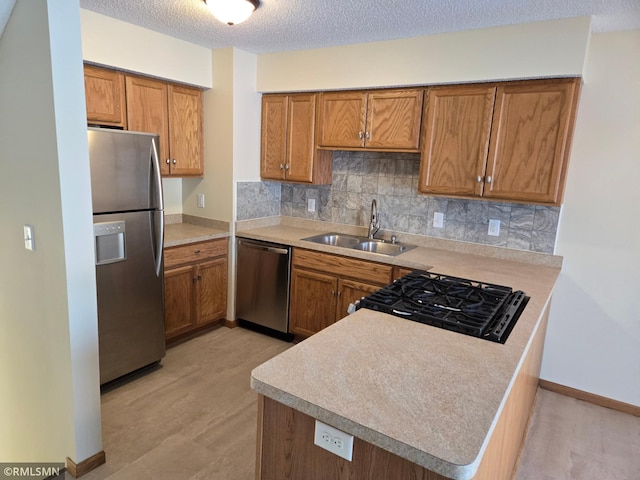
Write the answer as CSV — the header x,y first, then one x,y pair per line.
x,y
174,161
199,277
338,293
333,293
480,179
281,166
360,135
286,166
367,136
195,279
489,179
168,161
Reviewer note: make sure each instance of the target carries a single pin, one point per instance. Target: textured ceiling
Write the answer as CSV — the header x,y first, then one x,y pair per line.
x,y
280,25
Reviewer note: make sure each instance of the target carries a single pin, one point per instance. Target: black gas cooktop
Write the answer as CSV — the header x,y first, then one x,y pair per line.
x,y
467,306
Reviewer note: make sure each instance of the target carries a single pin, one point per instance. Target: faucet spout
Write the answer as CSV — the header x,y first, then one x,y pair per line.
x,y
374,222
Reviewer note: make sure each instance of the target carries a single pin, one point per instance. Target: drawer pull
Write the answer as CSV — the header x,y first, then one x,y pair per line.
x,y
197,252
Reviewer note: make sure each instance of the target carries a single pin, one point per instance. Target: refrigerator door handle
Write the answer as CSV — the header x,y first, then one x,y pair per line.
x,y
157,175
158,225
159,234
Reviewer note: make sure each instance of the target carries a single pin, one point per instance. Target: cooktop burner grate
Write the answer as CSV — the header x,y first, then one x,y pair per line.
x,y
467,306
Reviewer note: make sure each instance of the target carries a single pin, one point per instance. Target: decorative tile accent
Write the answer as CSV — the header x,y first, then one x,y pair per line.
x,y
392,179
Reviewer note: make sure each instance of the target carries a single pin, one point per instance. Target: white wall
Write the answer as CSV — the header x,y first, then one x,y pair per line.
x,y
50,397
593,342
119,44
172,193
246,118
541,49
217,184
232,144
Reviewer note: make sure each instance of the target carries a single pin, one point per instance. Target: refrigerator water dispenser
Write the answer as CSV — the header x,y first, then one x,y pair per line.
x,y
110,242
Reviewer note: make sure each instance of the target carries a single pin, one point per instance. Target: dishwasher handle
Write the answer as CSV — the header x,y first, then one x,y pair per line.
x,y
264,248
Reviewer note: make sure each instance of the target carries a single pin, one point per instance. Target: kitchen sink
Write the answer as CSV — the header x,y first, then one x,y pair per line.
x,y
335,239
362,244
384,248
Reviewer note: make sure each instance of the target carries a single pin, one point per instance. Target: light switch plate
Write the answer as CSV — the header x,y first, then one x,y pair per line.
x,y
494,228
29,241
311,205
438,220
201,200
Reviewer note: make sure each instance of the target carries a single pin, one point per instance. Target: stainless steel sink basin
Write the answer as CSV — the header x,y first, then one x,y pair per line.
x,y
335,239
360,243
383,248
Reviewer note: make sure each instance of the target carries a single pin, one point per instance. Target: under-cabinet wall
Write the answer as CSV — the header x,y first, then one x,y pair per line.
x,y
392,179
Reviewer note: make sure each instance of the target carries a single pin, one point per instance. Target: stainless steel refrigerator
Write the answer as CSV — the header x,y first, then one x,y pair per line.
x,y
128,225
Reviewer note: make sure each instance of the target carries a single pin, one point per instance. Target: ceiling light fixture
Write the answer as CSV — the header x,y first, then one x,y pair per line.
x,y
232,12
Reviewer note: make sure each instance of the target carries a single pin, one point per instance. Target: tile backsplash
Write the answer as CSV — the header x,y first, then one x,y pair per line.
x,y
392,179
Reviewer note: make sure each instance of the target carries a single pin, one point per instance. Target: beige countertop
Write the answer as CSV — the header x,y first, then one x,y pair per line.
x,y
183,233
426,394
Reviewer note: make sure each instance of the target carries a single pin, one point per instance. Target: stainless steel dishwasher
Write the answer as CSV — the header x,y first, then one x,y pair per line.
x,y
263,271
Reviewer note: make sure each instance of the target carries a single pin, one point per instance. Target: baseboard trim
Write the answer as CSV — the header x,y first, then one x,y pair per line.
x,y
230,323
79,469
590,397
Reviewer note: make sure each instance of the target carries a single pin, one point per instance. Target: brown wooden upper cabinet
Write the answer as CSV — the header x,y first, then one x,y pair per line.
x,y
288,149
144,104
173,112
104,94
530,140
457,126
502,141
375,120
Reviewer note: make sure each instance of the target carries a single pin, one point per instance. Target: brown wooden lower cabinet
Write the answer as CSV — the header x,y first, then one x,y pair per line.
x,y
401,272
323,285
195,286
285,447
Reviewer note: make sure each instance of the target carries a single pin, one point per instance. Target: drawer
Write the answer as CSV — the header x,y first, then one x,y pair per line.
x,y
362,270
194,252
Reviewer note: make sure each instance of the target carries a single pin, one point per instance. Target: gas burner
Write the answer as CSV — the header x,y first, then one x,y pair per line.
x,y
467,306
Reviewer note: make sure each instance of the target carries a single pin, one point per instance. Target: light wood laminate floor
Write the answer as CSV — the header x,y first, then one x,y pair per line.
x,y
194,418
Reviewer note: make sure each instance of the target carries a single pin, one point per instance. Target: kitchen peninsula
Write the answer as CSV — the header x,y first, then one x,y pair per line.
x,y
421,402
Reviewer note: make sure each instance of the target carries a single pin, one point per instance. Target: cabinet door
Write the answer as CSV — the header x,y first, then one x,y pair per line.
x,y
211,296
393,119
104,94
313,302
349,292
456,140
273,153
300,137
530,138
179,314
399,272
185,131
341,119
147,112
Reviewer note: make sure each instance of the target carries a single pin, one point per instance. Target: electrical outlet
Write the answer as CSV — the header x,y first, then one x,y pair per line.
x,y
494,228
311,205
201,200
438,220
333,440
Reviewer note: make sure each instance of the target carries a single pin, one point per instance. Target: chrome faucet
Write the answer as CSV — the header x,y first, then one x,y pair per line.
x,y
374,223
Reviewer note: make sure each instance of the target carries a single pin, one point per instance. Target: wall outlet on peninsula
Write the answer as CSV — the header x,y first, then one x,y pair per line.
x,y
333,440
